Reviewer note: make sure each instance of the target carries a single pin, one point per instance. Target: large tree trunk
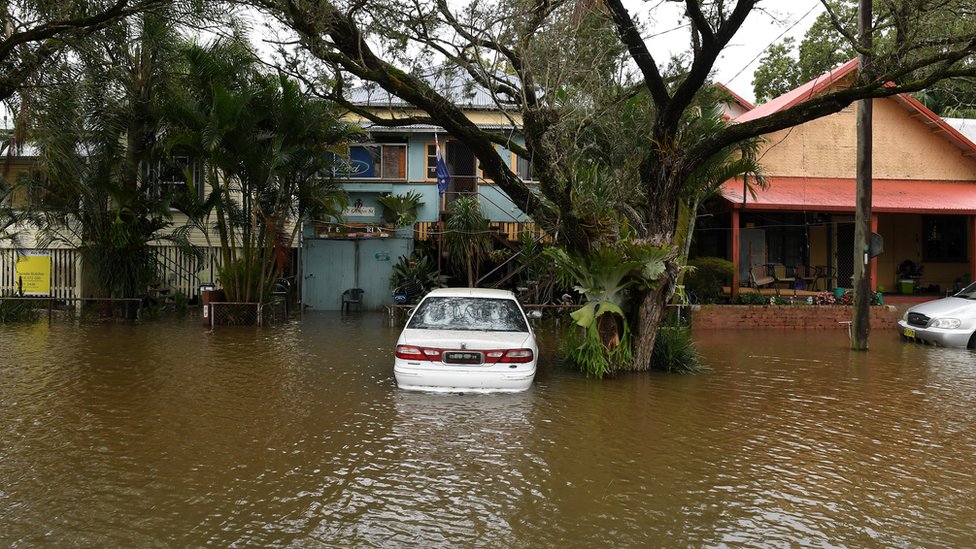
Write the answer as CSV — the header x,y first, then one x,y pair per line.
x,y
653,305
662,180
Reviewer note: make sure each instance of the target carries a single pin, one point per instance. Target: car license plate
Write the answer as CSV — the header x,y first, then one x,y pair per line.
x,y
909,332
462,357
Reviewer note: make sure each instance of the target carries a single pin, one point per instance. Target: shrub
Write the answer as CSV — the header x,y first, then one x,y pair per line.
x,y
751,298
708,277
674,350
17,311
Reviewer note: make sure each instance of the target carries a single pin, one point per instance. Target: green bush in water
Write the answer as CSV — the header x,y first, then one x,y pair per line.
x,y
708,277
17,311
674,351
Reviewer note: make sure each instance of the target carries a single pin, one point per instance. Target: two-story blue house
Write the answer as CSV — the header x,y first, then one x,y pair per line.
x,y
360,250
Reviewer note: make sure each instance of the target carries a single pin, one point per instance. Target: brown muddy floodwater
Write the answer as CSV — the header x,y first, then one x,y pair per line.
x,y
164,435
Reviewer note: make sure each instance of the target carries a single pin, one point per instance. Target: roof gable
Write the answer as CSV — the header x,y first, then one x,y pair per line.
x,y
820,84
799,95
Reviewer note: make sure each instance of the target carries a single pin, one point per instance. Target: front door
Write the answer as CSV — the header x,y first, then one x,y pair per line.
x,y
752,250
461,165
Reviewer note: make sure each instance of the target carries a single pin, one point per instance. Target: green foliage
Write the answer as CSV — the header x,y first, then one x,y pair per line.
x,y
17,311
401,209
603,277
466,239
778,71
674,349
708,277
786,66
266,145
584,349
94,190
751,298
181,303
235,275
418,271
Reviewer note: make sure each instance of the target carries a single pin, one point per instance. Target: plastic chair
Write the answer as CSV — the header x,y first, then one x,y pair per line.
x,y
350,297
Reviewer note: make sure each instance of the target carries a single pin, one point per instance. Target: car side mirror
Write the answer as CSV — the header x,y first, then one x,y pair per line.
x,y
535,314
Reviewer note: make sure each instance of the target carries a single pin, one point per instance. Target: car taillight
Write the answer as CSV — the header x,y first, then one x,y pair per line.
x,y
411,352
511,356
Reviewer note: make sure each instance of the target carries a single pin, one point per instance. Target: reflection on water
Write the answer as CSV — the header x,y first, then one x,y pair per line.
x,y
164,434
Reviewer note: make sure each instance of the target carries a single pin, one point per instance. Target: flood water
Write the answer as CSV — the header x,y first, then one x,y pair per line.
x,y
162,434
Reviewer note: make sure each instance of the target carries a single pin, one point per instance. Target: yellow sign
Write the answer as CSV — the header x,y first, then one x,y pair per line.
x,y
34,274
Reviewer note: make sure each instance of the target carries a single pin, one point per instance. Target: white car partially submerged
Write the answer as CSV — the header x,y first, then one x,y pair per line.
x,y
467,340
949,322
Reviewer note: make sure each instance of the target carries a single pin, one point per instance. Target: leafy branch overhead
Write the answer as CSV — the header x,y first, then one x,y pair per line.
x,y
609,127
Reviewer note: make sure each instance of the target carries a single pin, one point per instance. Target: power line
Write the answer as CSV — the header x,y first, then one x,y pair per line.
x,y
788,29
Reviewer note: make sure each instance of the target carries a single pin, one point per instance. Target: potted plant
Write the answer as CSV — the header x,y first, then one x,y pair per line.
x,y
400,210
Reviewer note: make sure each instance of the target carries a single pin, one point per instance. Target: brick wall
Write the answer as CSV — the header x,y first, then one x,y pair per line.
x,y
787,317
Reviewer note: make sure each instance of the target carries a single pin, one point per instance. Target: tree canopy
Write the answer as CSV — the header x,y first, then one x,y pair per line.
x,y
827,44
592,98
34,31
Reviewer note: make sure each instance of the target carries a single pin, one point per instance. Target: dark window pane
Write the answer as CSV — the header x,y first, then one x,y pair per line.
x,y
944,238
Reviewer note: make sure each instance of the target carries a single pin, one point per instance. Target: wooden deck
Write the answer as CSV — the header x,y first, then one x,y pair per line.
x,y
782,292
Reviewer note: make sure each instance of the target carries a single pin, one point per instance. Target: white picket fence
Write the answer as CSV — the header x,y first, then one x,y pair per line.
x,y
181,272
64,271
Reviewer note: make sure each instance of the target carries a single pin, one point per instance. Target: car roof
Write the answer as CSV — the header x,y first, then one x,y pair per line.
x,y
490,293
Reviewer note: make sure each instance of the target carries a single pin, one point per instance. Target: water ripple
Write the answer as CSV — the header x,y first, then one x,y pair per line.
x,y
163,434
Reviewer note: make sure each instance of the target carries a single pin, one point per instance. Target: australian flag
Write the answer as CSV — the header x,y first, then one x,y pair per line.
x,y
443,178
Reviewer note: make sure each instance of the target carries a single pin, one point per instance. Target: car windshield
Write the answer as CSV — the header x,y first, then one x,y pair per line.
x,y
969,292
469,313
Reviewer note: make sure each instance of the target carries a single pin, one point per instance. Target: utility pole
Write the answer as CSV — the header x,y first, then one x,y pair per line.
x,y
861,322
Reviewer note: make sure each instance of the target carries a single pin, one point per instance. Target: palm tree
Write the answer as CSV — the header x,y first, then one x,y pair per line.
x,y
729,163
466,237
268,148
96,138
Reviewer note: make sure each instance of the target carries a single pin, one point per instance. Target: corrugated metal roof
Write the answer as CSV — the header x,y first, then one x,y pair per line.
x,y
821,83
453,83
426,128
965,126
838,195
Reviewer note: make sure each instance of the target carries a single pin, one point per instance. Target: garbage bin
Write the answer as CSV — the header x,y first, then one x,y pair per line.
x,y
839,293
906,286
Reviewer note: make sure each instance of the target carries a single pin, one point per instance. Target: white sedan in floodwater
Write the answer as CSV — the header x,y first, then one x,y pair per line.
x,y
949,322
467,340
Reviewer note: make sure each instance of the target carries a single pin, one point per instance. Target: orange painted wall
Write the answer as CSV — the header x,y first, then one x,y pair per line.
x,y
904,148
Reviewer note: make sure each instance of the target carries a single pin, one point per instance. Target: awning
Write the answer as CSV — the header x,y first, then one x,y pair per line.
x,y
838,195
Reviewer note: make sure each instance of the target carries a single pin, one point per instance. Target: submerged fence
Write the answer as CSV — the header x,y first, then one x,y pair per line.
x,y
179,271
223,313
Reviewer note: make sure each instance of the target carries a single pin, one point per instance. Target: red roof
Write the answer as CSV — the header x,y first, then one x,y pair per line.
x,y
821,83
838,195
736,97
799,95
